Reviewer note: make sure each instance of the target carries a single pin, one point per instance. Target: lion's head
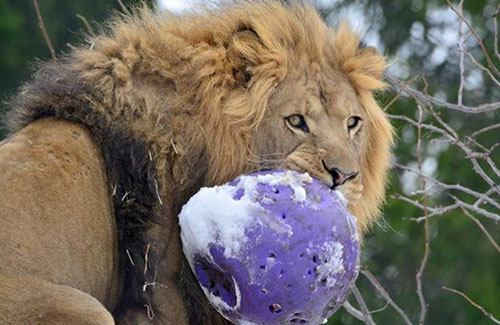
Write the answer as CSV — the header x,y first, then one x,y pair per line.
x,y
279,89
252,86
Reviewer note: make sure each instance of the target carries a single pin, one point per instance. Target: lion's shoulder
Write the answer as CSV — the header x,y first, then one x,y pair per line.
x,y
57,147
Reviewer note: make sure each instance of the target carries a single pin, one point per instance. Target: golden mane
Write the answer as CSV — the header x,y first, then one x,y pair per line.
x,y
191,51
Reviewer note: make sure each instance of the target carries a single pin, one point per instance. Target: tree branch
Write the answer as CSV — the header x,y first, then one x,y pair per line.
x,y
89,28
380,289
427,252
397,85
480,225
476,36
353,311
470,301
123,7
364,309
44,31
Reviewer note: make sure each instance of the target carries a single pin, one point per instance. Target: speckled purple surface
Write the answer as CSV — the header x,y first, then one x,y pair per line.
x,y
301,275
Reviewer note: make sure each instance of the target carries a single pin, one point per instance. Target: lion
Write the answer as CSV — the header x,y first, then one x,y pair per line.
x,y
108,143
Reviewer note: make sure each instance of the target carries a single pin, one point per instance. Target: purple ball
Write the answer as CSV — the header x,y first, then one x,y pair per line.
x,y
272,247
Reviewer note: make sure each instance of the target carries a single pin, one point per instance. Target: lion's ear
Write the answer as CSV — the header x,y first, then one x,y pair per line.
x,y
372,63
364,65
366,68
243,50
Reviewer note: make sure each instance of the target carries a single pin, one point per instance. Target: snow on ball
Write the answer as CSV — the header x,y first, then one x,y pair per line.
x,y
275,247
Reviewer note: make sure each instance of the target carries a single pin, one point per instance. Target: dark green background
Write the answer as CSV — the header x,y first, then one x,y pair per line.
x,y
22,43
461,258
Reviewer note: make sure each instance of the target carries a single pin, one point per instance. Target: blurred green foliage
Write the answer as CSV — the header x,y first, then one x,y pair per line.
x,y
461,257
21,40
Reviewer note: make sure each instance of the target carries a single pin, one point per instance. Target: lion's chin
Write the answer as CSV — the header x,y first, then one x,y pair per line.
x,y
351,191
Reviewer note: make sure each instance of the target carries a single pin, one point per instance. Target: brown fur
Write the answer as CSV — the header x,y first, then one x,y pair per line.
x,y
53,194
176,103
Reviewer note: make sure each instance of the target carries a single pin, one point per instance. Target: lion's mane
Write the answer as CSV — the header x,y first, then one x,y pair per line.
x,y
158,93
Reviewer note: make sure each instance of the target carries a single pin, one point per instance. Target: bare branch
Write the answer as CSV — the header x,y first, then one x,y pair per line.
x,y
364,309
482,67
486,129
461,63
380,289
353,311
480,225
427,252
470,301
392,101
44,31
123,7
450,134
89,28
482,196
473,207
442,210
478,39
397,85
433,211
381,309
495,28
398,95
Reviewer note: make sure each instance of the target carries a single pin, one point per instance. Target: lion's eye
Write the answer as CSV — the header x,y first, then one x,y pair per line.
x,y
353,122
298,121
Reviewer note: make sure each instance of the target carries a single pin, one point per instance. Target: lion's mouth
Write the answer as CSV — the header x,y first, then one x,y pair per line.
x,y
343,185
338,177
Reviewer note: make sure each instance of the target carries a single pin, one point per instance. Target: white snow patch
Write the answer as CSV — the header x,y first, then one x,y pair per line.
x,y
245,322
221,304
333,255
341,197
352,222
278,225
238,294
353,229
292,179
351,219
212,216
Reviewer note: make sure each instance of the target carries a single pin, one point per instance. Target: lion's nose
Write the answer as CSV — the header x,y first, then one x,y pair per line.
x,y
339,177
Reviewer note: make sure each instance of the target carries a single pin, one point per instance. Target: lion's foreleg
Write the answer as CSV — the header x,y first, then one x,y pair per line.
x,y
31,300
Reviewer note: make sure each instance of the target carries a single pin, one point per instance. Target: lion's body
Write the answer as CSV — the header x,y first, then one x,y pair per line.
x,y
165,105
54,193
